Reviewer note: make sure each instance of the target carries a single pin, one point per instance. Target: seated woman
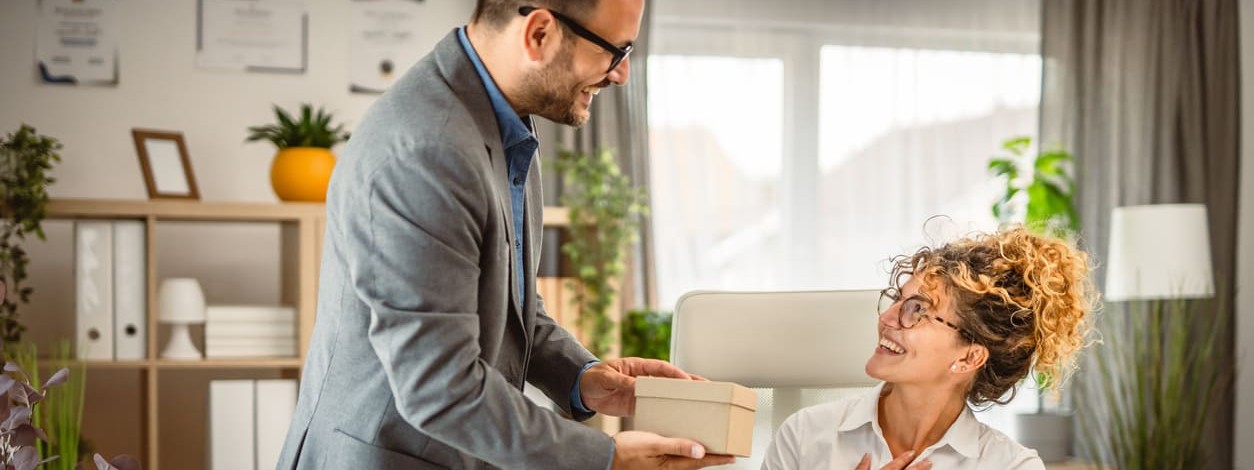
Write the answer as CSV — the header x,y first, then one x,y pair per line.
x,y
972,319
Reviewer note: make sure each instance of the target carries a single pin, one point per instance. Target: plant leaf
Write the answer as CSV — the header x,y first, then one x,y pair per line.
x,y
125,462
58,378
26,458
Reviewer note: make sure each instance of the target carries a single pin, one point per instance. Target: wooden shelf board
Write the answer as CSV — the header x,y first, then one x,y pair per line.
x,y
556,216
183,210
261,363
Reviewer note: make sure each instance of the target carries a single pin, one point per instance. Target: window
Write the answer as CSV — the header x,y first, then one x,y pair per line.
x,y
790,157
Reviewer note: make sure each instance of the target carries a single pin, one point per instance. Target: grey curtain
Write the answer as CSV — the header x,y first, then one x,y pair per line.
x,y
1146,95
619,122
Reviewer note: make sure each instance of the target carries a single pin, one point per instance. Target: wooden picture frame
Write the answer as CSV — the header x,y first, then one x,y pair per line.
x,y
167,169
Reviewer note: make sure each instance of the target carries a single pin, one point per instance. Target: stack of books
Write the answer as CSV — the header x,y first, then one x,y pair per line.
x,y
239,331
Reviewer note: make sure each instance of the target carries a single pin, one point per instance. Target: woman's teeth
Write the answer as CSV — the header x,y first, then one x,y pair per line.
x,y
891,346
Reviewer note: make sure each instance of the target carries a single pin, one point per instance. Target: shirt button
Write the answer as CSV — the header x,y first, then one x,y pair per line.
x,y
518,244
517,181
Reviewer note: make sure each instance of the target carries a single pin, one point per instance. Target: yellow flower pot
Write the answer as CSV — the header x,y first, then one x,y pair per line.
x,y
301,174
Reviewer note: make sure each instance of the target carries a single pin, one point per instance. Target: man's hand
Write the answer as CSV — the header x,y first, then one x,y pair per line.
x,y
897,464
638,449
610,387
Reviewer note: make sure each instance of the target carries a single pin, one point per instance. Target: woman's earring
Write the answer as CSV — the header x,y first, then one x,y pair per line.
x,y
953,367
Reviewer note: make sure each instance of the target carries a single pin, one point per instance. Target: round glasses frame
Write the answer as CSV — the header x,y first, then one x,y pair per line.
x,y
911,311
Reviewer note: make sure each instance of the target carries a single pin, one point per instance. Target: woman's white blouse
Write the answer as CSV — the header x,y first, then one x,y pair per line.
x,y
835,436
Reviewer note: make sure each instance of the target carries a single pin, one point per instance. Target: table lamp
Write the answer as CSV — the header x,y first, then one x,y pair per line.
x,y
182,303
1159,252
1160,346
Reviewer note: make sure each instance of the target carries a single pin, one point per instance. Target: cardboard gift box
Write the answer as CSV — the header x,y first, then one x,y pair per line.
x,y
719,415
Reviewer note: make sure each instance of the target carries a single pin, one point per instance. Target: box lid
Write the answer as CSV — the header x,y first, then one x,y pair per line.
x,y
697,390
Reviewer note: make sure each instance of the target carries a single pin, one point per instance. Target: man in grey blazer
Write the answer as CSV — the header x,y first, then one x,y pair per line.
x,y
428,318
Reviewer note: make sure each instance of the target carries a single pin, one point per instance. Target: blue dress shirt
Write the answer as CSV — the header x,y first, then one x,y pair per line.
x,y
520,143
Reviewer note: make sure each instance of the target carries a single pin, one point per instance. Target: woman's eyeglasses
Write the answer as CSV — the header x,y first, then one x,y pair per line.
x,y
913,309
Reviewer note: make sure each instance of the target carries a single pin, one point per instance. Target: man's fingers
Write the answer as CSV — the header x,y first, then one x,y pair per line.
x,y
924,465
679,447
656,368
865,463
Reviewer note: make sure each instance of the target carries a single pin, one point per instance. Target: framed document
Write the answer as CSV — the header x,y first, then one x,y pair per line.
x,y
167,169
384,43
267,36
77,41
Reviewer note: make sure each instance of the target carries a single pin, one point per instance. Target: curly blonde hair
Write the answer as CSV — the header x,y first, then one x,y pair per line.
x,y
1023,296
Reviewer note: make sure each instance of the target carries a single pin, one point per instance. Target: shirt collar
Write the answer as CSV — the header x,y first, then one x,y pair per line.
x,y
514,129
963,436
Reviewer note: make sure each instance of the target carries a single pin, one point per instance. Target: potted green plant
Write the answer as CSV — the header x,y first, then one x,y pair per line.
x,y
302,168
1038,188
62,417
26,158
1038,192
25,446
605,212
647,334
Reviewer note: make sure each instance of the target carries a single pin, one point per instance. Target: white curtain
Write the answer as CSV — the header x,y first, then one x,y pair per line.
x,y
801,144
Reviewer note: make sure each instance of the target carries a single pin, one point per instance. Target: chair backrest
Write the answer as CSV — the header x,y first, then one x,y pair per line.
x,y
812,339
781,341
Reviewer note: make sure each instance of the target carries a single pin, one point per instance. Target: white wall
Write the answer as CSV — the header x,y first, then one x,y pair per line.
x,y
1244,458
161,88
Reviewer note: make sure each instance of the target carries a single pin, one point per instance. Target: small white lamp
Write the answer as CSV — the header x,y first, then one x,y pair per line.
x,y
182,304
1159,252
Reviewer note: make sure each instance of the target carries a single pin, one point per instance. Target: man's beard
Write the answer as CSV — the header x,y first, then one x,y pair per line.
x,y
548,94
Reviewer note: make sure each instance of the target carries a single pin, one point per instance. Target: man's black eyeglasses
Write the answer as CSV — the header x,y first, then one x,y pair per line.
x,y
616,52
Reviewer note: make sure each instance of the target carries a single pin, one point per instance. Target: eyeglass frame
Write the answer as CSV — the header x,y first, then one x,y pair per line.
x,y
618,54
880,308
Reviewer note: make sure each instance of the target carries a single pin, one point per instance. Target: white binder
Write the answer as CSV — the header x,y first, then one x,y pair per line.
x,y
130,296
276,403
231,433
93,274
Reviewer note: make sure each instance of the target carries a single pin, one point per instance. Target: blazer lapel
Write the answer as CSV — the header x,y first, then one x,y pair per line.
x,y
463,79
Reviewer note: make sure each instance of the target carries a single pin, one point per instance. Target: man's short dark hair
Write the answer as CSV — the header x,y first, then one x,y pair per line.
x,y
498,13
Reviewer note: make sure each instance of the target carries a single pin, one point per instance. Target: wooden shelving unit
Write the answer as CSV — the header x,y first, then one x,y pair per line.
x,y
301,231
301,226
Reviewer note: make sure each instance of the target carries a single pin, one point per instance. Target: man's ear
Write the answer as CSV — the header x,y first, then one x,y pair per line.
x,y
541,36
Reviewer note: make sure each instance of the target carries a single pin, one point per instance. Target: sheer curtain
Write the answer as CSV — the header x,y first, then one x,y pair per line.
x,y
801,144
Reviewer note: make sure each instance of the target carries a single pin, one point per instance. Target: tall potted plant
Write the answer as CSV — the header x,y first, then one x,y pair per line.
x,y
1038,192
26,158
605,212
1038,189
302,168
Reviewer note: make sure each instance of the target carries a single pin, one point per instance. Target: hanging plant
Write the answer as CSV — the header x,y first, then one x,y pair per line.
x,y
25,160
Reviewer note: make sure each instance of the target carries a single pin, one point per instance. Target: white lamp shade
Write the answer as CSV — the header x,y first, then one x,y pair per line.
x,y
1159,252
181,301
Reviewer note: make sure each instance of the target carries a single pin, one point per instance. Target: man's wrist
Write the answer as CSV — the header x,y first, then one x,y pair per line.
x,y
576,398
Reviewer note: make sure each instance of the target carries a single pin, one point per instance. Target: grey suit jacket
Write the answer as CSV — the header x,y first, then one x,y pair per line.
x,y
421,344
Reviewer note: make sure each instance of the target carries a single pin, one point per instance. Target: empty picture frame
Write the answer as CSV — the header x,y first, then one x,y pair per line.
x,y
167,170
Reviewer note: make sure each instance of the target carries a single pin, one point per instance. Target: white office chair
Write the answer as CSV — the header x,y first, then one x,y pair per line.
x,y
799,345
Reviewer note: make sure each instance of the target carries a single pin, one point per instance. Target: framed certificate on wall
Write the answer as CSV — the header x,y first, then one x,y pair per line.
x,y
77,42
270,36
